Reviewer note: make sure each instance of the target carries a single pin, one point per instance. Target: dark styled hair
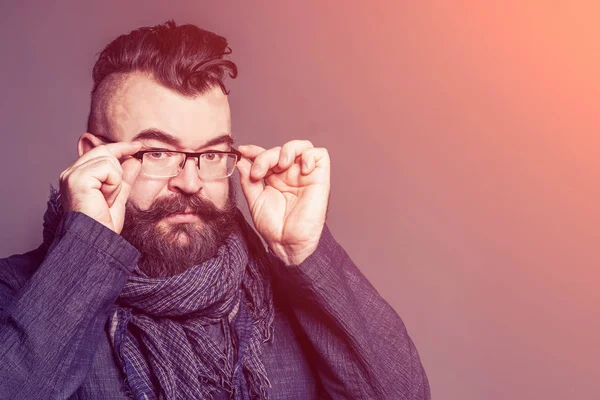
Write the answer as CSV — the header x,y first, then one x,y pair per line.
x,y
184,58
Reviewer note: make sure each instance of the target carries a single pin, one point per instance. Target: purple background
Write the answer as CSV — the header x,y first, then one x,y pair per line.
x,y
464,144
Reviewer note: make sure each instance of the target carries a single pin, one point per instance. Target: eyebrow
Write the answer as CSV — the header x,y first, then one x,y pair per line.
x,y
158,135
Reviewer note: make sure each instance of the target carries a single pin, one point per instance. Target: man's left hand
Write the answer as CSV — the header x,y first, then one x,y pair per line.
x,y
287,189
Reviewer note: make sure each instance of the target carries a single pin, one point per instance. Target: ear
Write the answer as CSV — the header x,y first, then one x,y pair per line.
x,y
87,142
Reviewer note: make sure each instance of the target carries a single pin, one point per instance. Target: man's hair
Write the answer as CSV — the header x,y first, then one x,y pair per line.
x,y
184,58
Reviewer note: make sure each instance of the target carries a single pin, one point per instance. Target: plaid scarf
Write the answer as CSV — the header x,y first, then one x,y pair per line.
x,y
159,333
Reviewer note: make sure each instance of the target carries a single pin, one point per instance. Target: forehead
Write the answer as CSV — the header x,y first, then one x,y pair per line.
x,y
140,103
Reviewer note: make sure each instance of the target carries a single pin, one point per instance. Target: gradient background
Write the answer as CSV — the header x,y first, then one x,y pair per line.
x,y
464,143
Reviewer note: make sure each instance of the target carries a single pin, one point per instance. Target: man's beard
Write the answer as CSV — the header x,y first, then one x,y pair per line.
x,y
169,249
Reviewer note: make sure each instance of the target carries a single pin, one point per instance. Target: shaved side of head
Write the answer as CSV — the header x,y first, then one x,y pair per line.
x,y
98,121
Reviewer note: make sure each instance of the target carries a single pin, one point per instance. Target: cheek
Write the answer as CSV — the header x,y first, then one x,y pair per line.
x,y
216,192
145,191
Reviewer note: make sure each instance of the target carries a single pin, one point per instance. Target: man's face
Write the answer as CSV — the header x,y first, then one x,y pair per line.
x,y
160,118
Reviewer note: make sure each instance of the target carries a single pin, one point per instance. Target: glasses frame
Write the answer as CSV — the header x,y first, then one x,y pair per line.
x,y
140,156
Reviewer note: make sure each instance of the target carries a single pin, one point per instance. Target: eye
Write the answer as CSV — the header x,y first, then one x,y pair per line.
x,y
213,157
159,155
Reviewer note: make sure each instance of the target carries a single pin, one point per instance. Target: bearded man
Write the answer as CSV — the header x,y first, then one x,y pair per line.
x,y
150,284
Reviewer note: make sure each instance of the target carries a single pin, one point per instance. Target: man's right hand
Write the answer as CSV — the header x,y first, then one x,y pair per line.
x,y
98,186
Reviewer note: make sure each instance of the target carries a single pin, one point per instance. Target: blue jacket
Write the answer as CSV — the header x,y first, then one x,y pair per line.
x,y
335,337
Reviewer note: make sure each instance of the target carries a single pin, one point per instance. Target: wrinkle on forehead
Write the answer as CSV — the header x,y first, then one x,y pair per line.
x,y
138,102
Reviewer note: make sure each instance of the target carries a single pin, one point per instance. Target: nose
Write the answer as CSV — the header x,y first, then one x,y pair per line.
x,y
187,181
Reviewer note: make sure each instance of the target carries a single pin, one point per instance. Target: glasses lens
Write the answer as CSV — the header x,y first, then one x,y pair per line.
x,y
162,164
217,165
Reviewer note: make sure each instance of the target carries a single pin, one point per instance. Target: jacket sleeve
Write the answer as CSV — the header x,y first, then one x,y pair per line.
x,y
360,346
53,314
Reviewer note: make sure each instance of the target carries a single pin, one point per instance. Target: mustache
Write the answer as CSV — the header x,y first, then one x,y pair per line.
x,y
177,204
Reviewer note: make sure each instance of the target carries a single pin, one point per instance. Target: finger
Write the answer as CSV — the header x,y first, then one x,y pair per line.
x,y
99,175
100,159
131,170
112,185
251,188
121,150
312,158
250,150
112,195
110,178
264,162
291,150
117,150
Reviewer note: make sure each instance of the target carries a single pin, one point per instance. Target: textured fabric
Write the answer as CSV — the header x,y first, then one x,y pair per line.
x,y
54,303
159,331
335,336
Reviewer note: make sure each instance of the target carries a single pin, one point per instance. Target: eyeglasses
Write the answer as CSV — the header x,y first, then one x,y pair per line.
x,y
213,164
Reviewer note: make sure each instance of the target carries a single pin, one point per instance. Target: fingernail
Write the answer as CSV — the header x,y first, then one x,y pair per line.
x,y
284,159
256,169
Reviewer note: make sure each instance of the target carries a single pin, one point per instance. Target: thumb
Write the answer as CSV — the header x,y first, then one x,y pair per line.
x,y
251,188
131,169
